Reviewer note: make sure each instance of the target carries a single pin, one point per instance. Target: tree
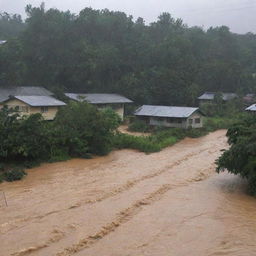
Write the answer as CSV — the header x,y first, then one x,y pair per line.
x,y
85,129
240,159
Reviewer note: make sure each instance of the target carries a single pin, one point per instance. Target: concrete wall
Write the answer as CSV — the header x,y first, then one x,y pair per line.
x,y
155,121
176,122
25,109
193,122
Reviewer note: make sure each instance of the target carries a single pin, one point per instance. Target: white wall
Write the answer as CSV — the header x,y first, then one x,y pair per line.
x,y
185,123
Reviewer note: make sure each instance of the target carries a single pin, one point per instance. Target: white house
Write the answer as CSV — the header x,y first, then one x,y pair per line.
x,y
170,116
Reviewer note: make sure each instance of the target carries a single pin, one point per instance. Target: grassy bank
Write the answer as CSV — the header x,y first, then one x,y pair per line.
x,y
164,137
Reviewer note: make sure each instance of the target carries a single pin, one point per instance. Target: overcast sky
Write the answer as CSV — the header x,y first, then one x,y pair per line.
x,y
239,15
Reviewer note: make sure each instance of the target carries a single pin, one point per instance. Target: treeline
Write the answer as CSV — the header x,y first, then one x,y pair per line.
x,y
165,62
10,25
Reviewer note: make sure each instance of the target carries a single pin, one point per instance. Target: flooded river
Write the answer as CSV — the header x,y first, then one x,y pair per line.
x,y
128,203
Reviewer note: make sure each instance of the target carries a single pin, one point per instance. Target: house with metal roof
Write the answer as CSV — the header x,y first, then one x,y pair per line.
x,y
103,100
30,100
170,116
251,108
3,42
209,97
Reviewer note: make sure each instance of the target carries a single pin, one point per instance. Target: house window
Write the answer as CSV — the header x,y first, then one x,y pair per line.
x,y
44,109
170,120
179,120
190,121
159,119
197,120
24,109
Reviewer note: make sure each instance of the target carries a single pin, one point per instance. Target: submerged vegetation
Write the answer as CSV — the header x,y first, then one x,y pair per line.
x,y
79,130
163,137
240,159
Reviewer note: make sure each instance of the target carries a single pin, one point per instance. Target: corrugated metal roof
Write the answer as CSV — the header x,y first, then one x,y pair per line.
x,y
210,96
98,98
23,91
165,111
251,108
5,93
32,91
40,101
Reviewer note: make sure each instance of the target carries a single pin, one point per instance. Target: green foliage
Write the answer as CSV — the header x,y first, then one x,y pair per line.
x,y
165,62
160,139
138,126
143,144
10,25
79,130
216,123
219,108
86,129
240,158
13,175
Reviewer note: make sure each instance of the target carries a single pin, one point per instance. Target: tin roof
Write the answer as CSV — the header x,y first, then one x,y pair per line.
x,y
251,108
98,98
165,111
40,101
5,93
210,96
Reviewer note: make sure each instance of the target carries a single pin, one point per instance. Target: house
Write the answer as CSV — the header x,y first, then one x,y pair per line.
x,y
2,42
251,108
170,116
208,97
103,100
249,99
30,100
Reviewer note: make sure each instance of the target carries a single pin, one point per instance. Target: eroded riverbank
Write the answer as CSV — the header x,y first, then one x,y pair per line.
x,y
129,203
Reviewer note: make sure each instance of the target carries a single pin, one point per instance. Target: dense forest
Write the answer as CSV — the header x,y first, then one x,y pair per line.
x,y
165,62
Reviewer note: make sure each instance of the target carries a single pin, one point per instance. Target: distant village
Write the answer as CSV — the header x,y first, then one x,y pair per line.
x,y
31,100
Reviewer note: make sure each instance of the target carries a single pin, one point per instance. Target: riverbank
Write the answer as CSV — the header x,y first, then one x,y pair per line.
x,y
131,203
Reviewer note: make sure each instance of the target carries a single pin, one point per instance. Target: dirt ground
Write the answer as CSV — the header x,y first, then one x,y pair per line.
x,y
129,203
124,129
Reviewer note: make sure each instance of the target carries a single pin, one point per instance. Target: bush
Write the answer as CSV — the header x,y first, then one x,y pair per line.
x,y
240,158
14,174
138,126
79,130
162,138
216,123
134,142
218,108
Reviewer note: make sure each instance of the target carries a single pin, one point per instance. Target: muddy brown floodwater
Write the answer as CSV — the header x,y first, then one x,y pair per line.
x,y
128,203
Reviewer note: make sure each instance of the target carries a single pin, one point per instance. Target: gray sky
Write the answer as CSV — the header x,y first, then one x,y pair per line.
x,y
239,15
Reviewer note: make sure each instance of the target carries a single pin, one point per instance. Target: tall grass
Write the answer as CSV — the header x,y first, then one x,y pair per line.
x,y
164,137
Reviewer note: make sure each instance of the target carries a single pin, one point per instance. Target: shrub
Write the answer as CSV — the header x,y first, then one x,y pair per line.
x,y
216,123
14,174
134,142
138,126
240,158
81,128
